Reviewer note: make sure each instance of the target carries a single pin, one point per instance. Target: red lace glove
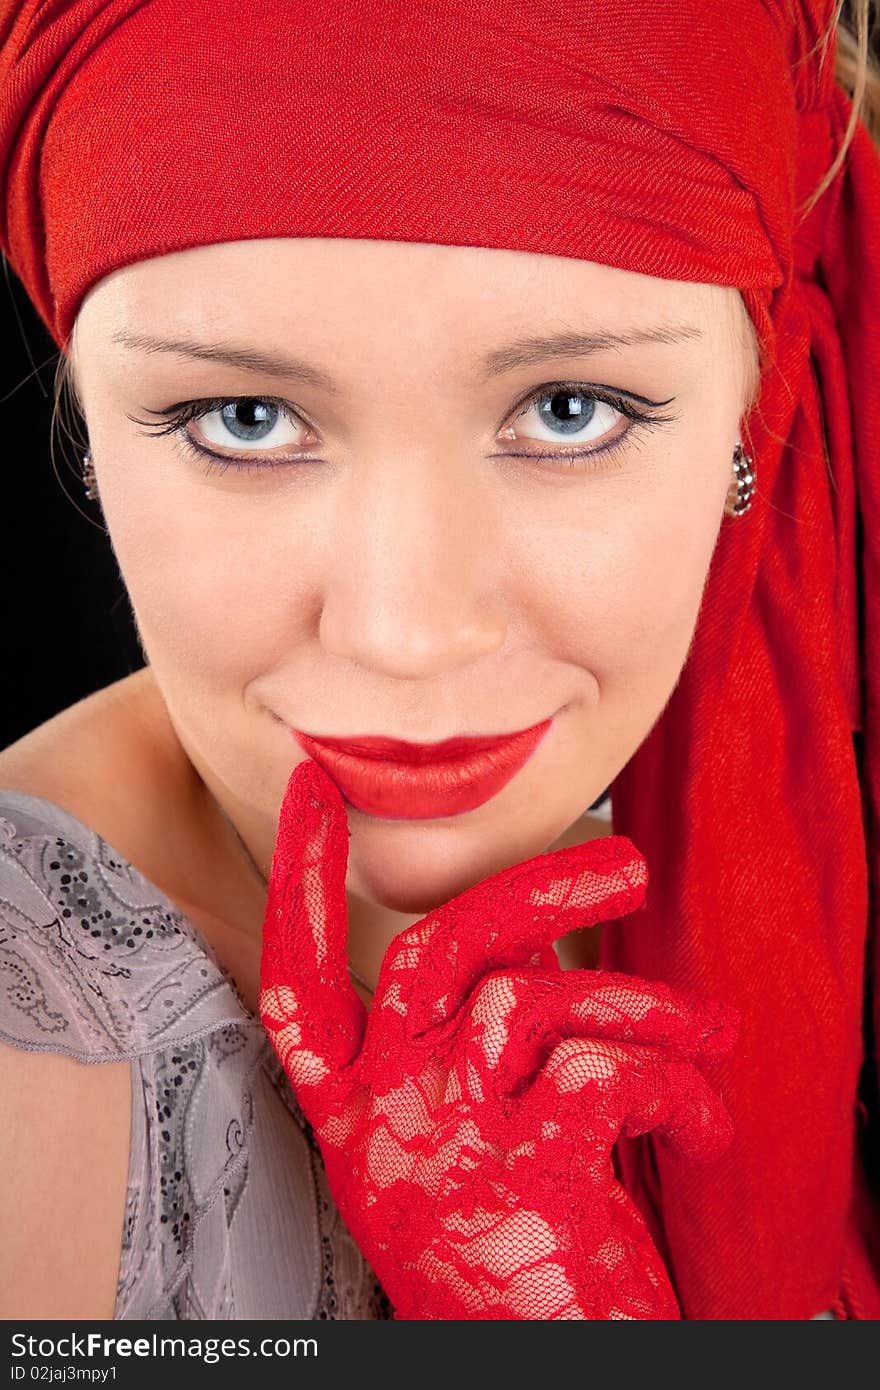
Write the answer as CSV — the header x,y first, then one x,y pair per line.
x,y
466,1122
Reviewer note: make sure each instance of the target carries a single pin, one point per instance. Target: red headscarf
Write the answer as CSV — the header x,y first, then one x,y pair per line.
x,y
677,141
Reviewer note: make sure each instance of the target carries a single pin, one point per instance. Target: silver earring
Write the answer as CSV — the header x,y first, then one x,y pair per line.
x,y
89,479
744,472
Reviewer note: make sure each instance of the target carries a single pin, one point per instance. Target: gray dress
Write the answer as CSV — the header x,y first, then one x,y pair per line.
x,y
227,1211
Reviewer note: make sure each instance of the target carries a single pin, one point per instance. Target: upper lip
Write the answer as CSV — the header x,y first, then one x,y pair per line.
x,y
387,748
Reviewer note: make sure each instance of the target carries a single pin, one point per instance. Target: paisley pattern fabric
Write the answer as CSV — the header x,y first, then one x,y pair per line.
x,y
228,1214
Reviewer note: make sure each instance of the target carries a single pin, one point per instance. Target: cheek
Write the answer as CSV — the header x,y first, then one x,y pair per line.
x,y
208,592
654,606
622,571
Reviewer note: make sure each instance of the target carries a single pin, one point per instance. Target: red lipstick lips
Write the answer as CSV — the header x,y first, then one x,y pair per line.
x,y
422,781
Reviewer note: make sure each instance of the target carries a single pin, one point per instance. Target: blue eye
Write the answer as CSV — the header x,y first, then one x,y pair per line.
x,y
571,412
565,413
227,420
260,419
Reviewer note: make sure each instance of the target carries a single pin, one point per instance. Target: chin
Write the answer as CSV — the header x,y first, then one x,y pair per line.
x,y
410,892
413,904
415,879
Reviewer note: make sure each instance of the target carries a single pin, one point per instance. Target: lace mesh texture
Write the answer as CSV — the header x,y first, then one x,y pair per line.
x,y
467,1120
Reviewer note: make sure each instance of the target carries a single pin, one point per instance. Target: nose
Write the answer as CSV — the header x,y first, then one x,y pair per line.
x,y
413,587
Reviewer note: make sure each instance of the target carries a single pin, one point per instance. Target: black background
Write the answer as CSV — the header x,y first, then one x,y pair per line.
x,y
66,622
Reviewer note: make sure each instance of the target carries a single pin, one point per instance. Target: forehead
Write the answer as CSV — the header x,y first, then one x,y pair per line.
x,y
273,285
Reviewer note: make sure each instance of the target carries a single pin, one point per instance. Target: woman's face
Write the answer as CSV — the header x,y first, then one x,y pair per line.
x,y
392,538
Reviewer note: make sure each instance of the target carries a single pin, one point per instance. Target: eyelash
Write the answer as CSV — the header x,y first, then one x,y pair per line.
x,y
179,416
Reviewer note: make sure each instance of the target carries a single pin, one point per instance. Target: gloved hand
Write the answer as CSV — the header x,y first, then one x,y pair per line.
x,y
467,1120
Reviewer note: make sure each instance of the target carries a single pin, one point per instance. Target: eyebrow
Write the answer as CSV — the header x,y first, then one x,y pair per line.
x,y
521,352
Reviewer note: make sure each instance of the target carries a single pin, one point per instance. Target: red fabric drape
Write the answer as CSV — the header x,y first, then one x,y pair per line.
x,y
679,145
775,719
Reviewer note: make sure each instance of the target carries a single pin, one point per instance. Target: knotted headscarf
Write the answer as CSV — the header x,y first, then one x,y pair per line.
x,y
673,140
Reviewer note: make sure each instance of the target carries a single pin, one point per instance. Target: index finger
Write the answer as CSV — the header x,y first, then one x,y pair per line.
x,y
307,1003
507,921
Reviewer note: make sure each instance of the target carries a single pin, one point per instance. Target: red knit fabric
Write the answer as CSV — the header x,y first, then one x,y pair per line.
x,y
467,1123
679,147
776,719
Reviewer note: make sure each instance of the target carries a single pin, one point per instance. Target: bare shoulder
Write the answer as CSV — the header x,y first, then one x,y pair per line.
x,y
64,1155
64,757
113,762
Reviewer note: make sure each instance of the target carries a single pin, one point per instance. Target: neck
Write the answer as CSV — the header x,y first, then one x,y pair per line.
x,y
357,977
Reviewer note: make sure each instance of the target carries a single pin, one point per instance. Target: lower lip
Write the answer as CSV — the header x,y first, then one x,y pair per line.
x,y
425,791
